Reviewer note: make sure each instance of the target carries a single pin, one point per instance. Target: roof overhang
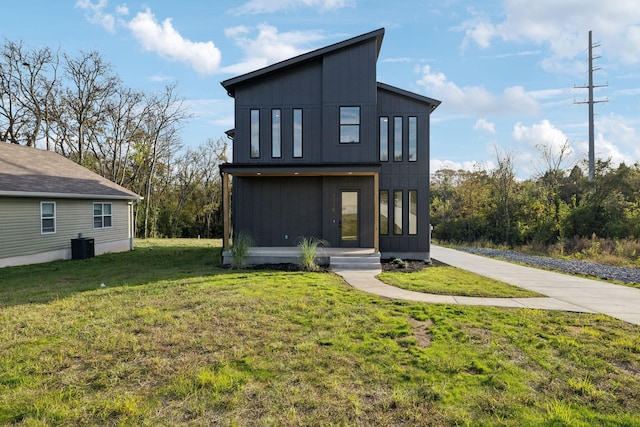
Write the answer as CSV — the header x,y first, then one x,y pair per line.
x,y
43,195
231,84
301,170
416,97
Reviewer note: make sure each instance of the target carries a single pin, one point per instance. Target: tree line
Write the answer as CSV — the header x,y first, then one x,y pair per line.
x,y
78,106
555,206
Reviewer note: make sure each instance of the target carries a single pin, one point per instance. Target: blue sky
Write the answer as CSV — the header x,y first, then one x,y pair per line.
x,y
505,71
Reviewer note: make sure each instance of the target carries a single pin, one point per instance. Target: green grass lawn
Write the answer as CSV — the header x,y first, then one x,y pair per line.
x,y
447,280
174,339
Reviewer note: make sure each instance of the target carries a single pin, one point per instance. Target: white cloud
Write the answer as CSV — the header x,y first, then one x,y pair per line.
x,y
483,124
164,40
397,60
543,133
96,15
268,47
437,164
271,6
563,26
122,10
617,139
476,100
531,142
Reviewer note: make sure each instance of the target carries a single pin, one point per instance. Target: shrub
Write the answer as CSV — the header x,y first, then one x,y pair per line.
x,y
308,247
240,250
399,263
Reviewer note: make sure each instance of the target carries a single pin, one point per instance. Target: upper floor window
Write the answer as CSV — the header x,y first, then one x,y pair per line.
x,y
276,134
102,215
413,139
297,132
397,139
349,125
384,139
47,217
255,134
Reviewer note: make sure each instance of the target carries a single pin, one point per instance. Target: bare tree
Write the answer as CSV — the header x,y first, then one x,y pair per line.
x,y
123,117
163,117
91,85
504,185
13,113
28,77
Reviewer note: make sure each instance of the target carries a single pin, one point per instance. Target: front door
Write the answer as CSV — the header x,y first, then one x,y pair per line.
x,y
349,219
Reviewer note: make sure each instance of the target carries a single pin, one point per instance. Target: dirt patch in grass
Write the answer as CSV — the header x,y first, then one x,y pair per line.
x,y
419,330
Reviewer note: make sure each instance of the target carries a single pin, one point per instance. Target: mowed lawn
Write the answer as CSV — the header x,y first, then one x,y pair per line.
x,y
174,339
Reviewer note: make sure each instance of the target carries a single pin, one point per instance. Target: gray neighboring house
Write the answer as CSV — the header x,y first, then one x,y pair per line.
x,y
322,149
46,200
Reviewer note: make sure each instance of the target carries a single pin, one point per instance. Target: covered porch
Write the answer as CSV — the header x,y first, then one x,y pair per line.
x,y
276,204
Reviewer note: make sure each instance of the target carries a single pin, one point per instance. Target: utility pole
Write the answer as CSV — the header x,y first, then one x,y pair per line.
x,y
591,102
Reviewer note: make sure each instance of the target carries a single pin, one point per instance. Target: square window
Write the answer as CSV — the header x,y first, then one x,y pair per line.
x,y
102,217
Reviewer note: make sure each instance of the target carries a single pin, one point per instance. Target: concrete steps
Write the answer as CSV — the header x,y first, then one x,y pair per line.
x,y
369,262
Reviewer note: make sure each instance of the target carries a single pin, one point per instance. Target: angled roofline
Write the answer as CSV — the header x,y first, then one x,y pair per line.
x,y
433,102
230,84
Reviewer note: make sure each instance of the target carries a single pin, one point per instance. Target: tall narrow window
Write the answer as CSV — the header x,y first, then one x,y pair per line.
x,y
397,212
102,215
413,212
413,139
47,217
384,212
276,134
384,139
349,125
255,134
397,139
297,132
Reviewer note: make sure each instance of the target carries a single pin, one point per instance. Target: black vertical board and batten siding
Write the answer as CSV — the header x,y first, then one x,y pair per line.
x,y
349,80
406,175
343,78
270,208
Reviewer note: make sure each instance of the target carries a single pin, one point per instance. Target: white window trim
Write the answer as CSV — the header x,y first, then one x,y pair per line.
x,y
93,216
55,208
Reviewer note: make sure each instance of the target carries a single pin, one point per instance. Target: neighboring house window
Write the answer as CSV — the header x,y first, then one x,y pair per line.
x,y
255,134
413,212
276,145
413,139
384,212
384,139
47,217
349,125
397,139
297,132
397,212
102,215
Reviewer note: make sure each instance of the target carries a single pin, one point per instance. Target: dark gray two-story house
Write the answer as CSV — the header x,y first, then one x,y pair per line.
x,y
322,149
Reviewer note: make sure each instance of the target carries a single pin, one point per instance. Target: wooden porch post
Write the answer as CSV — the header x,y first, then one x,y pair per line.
x,y
376,212
226,202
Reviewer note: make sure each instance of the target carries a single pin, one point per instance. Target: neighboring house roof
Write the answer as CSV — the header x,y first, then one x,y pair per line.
x,y
433,102
230,84
30,172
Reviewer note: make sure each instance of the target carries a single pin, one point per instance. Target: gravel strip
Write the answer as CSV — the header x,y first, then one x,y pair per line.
x,y
607,272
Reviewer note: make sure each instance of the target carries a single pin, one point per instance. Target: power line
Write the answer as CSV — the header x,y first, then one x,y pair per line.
x,y
591,103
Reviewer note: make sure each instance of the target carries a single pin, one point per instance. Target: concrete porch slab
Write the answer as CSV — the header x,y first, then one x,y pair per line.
x,y
291,255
